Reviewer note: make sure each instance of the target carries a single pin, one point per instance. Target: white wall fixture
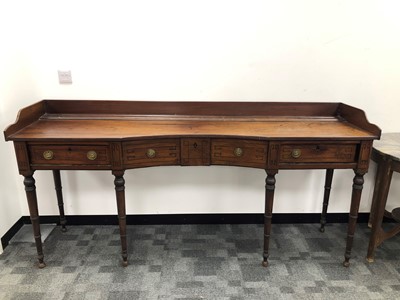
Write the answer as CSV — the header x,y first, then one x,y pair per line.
x,y
64,77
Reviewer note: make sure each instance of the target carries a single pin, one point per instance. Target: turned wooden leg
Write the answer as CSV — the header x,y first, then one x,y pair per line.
x,y
119,183
358,183
58,187
30,190
269,200
381,191
328,184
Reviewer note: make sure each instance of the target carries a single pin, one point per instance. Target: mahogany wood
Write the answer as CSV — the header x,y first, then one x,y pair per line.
x,y
381,191
195,151
327,192
119,183
358,183
238,152
120,135
60,201
161,152
30,190
387,164
269,202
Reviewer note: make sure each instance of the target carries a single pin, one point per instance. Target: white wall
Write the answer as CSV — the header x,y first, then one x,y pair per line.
x,y
289,50
17,88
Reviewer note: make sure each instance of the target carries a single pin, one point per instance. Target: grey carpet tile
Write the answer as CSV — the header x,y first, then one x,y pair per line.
x,y
201,262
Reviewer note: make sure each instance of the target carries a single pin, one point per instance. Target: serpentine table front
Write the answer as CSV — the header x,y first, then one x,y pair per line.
x,y
120,135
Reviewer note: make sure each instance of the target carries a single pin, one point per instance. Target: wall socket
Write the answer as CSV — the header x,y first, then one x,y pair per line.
x,y
64,77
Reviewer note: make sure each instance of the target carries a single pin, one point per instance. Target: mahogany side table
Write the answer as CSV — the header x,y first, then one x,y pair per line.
x,y
386,153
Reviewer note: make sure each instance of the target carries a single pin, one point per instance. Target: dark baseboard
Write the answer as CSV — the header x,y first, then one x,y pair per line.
x,y
183,219
5,239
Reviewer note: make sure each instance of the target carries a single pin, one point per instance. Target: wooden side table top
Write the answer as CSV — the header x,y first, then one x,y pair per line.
x,y
389,145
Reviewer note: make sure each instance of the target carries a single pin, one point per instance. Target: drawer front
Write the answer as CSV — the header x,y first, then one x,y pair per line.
x,y
239,153
195,152
161,152
318,152
69,154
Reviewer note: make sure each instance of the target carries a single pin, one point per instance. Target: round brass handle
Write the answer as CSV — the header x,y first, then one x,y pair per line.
x,y
92,155
151,153
48,154
238,152
296,153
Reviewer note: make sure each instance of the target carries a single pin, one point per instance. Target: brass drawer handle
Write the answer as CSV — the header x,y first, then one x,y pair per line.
x,y
92,155
48,154
151,153
296,153
238,152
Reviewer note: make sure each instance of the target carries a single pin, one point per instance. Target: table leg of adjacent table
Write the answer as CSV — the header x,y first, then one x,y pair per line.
x,y
381,191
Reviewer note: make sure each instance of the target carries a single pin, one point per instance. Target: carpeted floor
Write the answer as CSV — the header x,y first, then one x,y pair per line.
x,y
201,262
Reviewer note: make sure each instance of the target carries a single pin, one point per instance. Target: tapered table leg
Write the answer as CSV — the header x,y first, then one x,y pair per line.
x,y
328,185
119,183
358,183
269,200
30,190
58,187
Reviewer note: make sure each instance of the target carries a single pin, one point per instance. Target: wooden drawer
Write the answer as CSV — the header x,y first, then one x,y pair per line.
x,y
195,152
317,152
161,152
238,152
69,154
